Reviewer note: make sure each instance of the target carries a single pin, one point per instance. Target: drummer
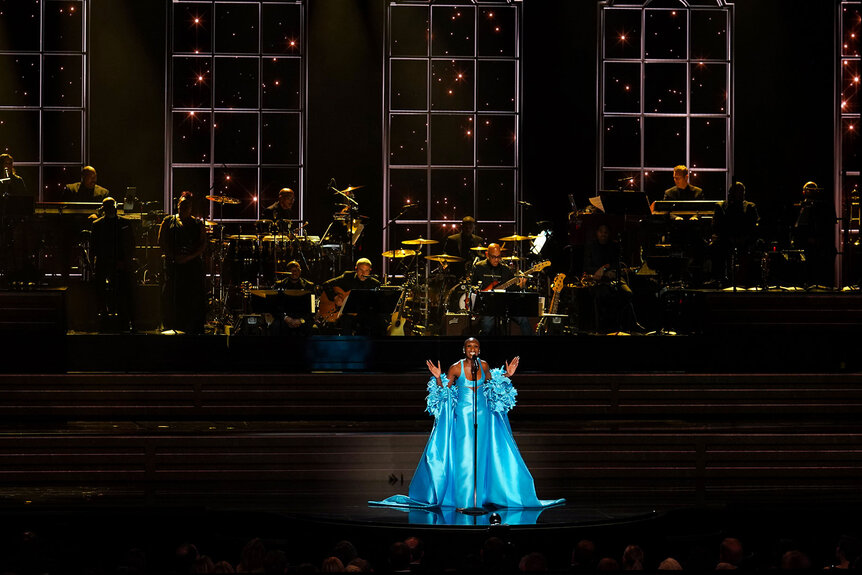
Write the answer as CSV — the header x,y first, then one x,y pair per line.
x,y
281,210
460,245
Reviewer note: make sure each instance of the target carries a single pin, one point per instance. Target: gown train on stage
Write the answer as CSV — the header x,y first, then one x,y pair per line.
x,y
444,475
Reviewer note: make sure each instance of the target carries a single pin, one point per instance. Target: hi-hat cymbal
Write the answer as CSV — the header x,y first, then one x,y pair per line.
x,y
484,248
444,259
399,253
517,238
420,241
223,199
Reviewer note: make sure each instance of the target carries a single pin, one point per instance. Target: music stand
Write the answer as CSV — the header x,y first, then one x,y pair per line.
x,y
504,305
624,203
371,302
294,303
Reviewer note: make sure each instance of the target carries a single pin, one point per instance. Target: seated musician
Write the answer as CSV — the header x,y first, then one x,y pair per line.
x,y
459,245
611,294
682,190
281,210
336,291
283,323
490,272
734,232
86,190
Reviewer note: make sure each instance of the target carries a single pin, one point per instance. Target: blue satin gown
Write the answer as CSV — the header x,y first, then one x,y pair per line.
x,y
444,476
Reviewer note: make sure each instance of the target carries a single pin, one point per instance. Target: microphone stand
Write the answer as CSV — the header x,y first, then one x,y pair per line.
x,y
475,510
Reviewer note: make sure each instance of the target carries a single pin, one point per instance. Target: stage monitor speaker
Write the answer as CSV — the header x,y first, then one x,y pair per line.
x,y
457,324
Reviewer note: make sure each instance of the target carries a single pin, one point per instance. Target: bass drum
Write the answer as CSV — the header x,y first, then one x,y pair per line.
x,y
460,298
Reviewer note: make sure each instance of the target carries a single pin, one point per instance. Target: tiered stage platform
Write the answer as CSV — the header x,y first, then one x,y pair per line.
x,y
754,416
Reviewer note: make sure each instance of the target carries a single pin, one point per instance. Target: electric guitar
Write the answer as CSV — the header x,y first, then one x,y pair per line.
x,y
396,325
555,302
509,282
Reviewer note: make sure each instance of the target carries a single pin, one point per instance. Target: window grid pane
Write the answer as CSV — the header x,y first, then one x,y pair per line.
x,y
237,102
46,96
665,95
848,128
453,114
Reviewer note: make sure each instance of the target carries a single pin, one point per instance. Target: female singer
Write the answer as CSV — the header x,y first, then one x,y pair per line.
x,y
445,474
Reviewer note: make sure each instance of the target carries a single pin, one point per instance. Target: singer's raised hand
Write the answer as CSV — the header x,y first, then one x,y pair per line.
x,y
434,369
512,366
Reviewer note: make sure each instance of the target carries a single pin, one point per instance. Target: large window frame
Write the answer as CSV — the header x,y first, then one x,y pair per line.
x,y
252,178
59,150
848,124
481,175
643,173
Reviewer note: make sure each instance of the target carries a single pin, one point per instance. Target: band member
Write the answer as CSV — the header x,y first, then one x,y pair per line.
x,y
182,238
814,232
337,289
611,294
682,190
285,321
112,245
282,209
11,184
471,435
489,272
87,190
459,245
734,232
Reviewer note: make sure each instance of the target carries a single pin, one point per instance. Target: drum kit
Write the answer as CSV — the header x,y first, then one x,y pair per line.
x,y
243,262
433,293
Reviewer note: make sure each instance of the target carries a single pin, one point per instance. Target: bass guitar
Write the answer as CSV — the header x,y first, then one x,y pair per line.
x,y
555,302
497,285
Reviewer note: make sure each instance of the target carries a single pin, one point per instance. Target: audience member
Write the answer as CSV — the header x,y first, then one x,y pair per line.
x,y
332,565
252,557
584,557
633,558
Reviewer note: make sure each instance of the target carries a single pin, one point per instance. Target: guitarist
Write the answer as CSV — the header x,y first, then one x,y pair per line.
x,y
336,291
490,272
611,293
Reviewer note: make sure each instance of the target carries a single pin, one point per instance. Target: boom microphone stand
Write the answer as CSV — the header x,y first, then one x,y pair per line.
x,y
475,510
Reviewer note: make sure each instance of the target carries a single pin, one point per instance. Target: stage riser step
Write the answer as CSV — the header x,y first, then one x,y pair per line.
x,y
382,398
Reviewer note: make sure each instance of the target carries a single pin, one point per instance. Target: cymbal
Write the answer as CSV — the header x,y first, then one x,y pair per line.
x,y
241,237
517,238
511,259
399,253
484,248
210,223
444,259
223,200
420,241
350,189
